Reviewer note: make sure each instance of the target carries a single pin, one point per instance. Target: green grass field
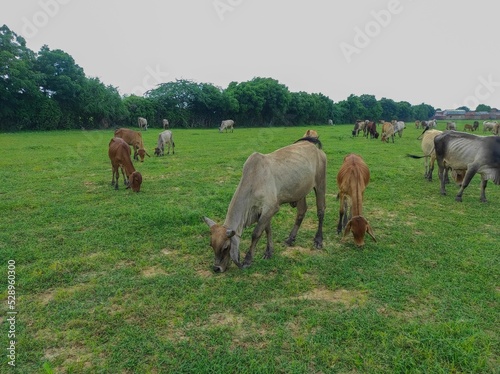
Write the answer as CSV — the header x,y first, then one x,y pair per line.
x,y
120,282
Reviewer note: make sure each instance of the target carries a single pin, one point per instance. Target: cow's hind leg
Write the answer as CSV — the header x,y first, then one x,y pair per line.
x,y
270,247
320,208
483,189
301,212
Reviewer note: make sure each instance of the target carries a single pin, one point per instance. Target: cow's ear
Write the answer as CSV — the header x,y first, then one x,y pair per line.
x,y
370,232
347,228
230,233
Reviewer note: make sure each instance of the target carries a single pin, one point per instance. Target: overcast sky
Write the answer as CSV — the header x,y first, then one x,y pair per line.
x,y
442,52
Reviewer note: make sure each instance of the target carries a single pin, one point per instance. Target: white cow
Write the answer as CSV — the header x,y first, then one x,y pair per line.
x,y
143,123
227,124
399,126
488,125
165,138
165,123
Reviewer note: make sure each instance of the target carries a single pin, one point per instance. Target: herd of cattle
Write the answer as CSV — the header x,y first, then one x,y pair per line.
x,y
288,174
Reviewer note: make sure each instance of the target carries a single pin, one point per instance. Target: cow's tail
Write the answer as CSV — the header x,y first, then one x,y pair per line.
x,y
415,156
425,129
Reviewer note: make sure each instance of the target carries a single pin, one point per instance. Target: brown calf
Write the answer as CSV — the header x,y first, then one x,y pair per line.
x,y
352,179
119,154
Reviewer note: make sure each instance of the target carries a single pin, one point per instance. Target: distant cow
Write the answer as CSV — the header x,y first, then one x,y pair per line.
x,y
119,154
371,130
133,138
468,127
286,175
352,179
488,125
475,126
399,126
460,151
165,138
330,122
143,123
387,132
451,126
228,124
165,123
430,124
496,129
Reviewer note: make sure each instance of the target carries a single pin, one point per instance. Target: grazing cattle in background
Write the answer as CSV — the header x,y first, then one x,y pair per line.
x,y
311,134
165,123
358,126
451,126
496,129
143,123
417,124
228,124
286,175
428,150
473,154
468,127
488,125
430,124
387,132
119,154
165,138
352,179
475,126
371,129
399,126
133,138
330,122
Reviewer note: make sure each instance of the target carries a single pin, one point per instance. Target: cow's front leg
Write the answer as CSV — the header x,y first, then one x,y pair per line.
x,y
264,222
301,212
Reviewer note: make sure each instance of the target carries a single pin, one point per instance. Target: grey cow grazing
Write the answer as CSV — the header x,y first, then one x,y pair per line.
x,y
286,175
470,154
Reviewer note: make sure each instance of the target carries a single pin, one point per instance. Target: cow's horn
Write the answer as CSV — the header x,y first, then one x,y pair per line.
x,y
208,221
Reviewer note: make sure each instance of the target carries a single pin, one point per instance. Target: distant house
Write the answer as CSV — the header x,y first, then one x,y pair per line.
x,y
452,114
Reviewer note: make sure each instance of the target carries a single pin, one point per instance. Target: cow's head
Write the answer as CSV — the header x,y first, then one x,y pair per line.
x,y
458,175
142,152
359,225
157,151
135,181
225,244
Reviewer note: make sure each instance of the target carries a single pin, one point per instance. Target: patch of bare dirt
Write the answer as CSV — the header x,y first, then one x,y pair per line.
x,y
152,272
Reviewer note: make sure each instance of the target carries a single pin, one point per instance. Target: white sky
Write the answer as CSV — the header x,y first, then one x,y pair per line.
x,y
441,52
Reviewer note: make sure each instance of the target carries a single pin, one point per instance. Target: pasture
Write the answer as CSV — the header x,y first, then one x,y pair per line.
x,y
121,282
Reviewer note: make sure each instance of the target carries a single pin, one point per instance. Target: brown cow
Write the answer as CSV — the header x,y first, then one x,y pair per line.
x,y
133,138
352,179
119,154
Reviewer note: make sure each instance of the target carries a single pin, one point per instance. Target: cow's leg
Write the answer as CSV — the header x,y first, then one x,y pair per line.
x,y
342,214
264,221
125,179
471,171
113,182
320,207
301,212
270,247
483,189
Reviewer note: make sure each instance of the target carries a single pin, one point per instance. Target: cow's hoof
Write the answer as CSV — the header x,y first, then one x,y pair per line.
x,y
458,198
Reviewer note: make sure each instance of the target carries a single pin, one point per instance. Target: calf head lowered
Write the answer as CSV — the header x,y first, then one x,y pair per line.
x,y
358,225
225,244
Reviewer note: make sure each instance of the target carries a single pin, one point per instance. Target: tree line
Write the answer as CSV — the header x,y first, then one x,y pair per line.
x,y
48,90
